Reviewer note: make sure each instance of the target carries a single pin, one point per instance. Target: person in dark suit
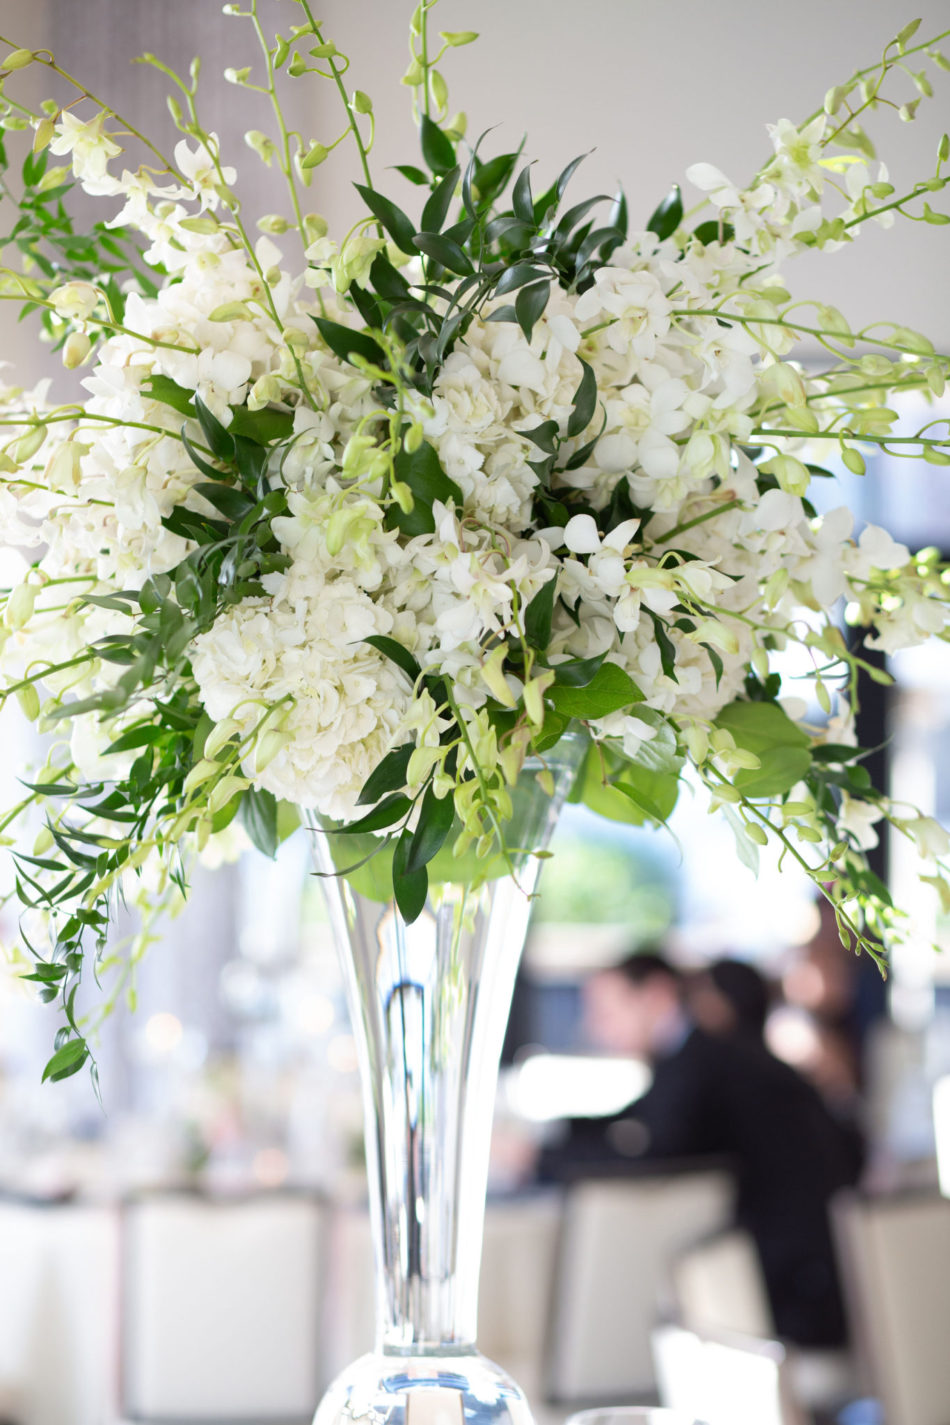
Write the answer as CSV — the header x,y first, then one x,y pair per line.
x,y
721,1097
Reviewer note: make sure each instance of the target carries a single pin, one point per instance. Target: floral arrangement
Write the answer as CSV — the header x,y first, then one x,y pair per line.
x,y
348,528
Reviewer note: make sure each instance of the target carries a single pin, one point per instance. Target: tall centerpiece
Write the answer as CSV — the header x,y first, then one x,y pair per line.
x,y
403,533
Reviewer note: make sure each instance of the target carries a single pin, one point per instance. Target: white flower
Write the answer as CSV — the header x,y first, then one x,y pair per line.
x,y
201,165
859,818
929,836
91,148
299,663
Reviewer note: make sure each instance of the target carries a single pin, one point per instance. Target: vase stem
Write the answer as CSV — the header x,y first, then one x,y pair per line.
x,y
429,1005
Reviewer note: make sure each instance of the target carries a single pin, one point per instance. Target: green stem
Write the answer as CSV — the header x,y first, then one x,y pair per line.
x,y
287,165
351,117
796,327
700,519
50,63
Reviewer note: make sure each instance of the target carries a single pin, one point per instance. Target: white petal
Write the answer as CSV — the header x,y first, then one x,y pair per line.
x,y
580,534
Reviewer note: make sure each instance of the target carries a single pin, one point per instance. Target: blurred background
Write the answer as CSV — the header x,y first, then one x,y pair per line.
x,y
231,1105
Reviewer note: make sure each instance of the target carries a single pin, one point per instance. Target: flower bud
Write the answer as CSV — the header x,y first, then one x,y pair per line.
x,y
273,224
264,147
20,605
272,741
315,155
438,89
220,734
74,300
27,446
18,59
76,348
413,438
29,700
45,132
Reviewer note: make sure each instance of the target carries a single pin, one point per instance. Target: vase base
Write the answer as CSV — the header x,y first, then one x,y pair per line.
x,y
437,1389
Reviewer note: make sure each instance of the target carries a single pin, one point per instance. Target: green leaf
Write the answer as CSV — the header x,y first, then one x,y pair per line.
x,y
746,849
653,793
585,402
521,203
410,888
436,815
530,304
667,217
779,770
259,815
220,441
758,726
387,280
782,747
437,206
228,501
595,790
551,732
44,973
393,219
660,753
343,341
198,460
67,1060
837,752
491,178
517,276
164,389
577,672
413,174
396,653
713,230
443,250
538,616
388,776
422,472
145,736
543,436
437,149
261,426
390,810
608,690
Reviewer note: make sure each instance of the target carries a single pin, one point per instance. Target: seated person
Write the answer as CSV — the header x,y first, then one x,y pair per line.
x,y
721,1097
729,998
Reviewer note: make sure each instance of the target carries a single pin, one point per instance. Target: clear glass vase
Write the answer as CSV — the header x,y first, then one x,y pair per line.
x,y
429,1005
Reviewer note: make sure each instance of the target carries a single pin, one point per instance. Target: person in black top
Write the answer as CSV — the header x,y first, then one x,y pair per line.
x,y
722,1097
730,998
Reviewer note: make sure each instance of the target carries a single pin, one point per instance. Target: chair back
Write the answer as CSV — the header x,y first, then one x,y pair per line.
x,y
618,1241
518,1262
719,1288
724,1380
58,1312
221,1308
896,1259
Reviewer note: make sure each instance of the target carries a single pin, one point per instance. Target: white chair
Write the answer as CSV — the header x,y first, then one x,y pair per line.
x,y
896,1256
720,1290
517,1278
221,1308
612,1284
724,1381
58,1313
518,1261
719,1287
